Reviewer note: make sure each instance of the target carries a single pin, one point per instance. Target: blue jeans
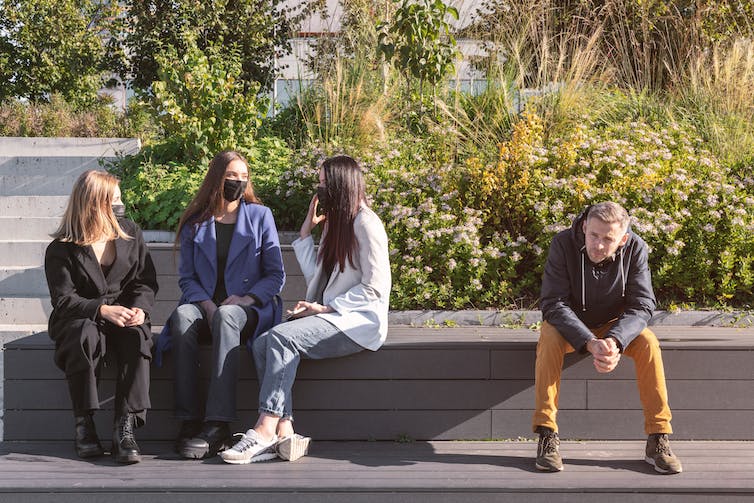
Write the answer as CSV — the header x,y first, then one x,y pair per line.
x,y
186,324
278,352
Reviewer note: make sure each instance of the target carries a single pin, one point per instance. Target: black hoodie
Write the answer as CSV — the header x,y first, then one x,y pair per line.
x,y
578,295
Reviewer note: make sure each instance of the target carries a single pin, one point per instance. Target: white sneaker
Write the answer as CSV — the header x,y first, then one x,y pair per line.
x,y
293,447
250,449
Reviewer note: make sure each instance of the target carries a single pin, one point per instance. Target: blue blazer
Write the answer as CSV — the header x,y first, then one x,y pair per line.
x,y
254,267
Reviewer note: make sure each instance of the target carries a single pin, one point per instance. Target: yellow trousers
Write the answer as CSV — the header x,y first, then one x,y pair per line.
x,y
650,377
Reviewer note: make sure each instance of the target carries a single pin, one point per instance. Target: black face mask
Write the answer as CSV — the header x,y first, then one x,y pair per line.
x,y
323,196
234,189
119,210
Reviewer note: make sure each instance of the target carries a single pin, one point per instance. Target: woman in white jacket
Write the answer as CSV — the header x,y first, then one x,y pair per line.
x,y
345,311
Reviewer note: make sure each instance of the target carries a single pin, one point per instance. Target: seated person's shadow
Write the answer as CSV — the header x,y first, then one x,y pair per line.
x,y
382,454
634,465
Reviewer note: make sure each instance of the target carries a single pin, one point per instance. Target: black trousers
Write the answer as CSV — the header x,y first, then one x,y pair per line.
x,y
121,348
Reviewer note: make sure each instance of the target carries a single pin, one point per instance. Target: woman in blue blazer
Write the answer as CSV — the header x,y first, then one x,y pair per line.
x,y
231,272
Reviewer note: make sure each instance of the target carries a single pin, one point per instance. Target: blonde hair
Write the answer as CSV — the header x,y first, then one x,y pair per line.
x,y
609,212
89,217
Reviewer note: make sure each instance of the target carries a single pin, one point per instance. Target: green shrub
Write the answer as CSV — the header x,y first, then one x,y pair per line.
x,y
58,117
201,107
156,194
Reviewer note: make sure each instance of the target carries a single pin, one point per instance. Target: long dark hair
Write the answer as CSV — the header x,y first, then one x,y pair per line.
x,y
209,200
347,191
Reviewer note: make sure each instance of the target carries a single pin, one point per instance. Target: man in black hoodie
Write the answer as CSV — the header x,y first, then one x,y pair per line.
x,y
597,297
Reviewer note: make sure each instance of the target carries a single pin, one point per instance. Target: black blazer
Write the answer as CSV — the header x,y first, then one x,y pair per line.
x,y
78,286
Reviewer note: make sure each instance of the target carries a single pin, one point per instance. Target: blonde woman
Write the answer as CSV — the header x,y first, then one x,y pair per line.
x,y
102,286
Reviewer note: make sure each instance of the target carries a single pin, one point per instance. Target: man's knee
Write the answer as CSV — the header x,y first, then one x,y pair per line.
x,y
551,339
644,343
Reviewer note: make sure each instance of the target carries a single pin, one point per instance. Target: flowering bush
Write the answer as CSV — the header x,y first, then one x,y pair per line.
x,y
695,214
437,255
474,234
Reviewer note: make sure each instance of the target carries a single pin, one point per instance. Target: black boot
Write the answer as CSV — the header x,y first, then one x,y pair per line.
x,y
214,437
189,430
125,449
85,438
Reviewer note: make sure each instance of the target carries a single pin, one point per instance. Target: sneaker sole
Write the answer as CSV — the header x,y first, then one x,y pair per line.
x,y
189,453
660,470
127,460
548,468
266,456
293,448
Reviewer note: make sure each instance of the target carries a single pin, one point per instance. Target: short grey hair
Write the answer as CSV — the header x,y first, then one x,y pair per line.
x,y
610,212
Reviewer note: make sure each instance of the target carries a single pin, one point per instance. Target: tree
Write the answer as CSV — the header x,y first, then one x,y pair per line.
x,y
54,46
421,39
258,29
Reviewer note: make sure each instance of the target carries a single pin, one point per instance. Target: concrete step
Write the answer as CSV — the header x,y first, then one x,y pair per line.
x,y
18,310
22,253
33,206
10,333
69,147
28,228
36,185
51,166
23,281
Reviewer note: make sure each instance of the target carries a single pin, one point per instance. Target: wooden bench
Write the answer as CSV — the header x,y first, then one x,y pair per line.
x,y
438,384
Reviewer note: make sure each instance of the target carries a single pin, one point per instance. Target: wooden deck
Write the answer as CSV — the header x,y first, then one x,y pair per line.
x,y
385,471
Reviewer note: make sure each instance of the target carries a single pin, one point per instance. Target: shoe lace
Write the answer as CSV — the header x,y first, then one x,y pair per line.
x,y
663,445
245,443
126,426
550,443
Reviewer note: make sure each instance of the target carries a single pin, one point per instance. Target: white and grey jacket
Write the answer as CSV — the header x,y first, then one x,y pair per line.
x,y
359,295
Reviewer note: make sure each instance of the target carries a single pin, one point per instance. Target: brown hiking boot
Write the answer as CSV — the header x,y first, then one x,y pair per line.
x,y
548,451
659,455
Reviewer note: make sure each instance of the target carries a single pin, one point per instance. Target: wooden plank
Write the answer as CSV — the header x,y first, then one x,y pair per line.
x,y
164,259
168,289
324,425
525,340
705,364
390,471
684,394
435,395
384,364
417,424
629,424
418,364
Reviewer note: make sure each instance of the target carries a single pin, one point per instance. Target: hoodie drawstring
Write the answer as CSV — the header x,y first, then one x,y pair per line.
x,y
583,281
622,275
583,278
